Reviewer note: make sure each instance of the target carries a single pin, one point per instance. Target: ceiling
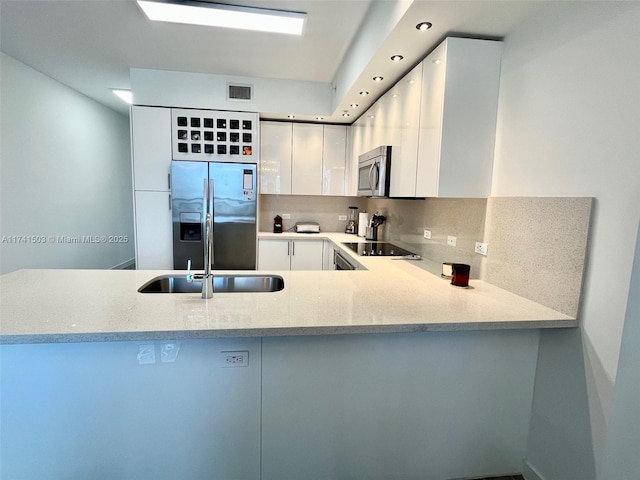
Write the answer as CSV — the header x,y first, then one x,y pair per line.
x,y
90,45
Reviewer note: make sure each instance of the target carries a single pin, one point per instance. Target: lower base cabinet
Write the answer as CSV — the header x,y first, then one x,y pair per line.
x,y
276,254
154,238
131,410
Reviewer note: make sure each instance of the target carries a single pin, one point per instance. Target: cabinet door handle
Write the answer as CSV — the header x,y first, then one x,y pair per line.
x,y
293,248
169,180
288,249
169,201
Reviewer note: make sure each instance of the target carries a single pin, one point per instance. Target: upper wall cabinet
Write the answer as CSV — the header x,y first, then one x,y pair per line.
x,y
460,82
440,120
394,120
306,159
151,147
334,151
275,160
302,159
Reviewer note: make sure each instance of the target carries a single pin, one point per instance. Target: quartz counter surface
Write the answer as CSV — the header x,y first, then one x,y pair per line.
x,y
52,306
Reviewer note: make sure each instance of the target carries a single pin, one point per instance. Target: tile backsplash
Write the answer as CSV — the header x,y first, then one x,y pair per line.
x,y
463,218
538,248
322,209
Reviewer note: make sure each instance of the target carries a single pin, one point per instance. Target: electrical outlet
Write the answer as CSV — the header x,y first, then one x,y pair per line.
x,y
286,216
169,351
481,248
427,234
451,241
146,354
342,217
234,359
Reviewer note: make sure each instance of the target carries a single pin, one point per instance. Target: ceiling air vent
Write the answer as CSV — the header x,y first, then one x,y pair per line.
x,y
242,93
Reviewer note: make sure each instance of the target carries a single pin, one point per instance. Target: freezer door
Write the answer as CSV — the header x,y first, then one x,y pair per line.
x,y
234,216
187,206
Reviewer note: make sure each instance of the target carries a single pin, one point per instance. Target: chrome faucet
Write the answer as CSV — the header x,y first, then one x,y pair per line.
x,y
206,277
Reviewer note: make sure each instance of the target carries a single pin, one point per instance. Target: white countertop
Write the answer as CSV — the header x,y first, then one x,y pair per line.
x,y
47,306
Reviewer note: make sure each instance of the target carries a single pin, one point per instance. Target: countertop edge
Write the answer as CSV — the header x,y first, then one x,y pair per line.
x,y
152,336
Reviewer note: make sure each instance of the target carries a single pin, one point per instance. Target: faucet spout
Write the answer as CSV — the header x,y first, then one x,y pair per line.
x,y
207,277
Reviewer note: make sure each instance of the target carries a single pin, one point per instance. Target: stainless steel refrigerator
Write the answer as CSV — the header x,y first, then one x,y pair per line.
x,y
233,209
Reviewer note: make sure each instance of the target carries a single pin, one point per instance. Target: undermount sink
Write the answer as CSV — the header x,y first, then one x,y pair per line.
x,y
221,284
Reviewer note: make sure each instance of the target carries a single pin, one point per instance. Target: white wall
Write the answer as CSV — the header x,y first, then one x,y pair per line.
x,y
200,90
568,123
621,459
66,171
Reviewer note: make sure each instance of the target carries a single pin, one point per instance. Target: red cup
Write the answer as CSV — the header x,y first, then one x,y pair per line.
x,y
460,274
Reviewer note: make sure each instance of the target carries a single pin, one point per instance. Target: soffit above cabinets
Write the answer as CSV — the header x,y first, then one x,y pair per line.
x,y
91,45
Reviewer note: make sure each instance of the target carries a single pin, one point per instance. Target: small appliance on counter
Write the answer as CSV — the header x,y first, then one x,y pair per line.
x,y
307,227
363,223
374,223
277,224
352,223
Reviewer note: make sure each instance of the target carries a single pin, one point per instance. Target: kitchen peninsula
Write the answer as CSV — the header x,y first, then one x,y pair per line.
x,y
44,306
267,385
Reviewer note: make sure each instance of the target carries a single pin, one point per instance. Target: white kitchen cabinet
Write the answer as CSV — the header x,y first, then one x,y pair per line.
x,y
306,159
402,132
151,148
460,81
328,253
275,157
334,160
275,254
154,243
303,158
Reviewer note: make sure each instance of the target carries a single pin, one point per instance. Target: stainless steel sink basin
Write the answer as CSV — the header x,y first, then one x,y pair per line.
x,y
221,284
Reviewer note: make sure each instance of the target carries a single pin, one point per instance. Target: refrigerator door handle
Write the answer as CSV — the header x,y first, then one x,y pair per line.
x,y
210,220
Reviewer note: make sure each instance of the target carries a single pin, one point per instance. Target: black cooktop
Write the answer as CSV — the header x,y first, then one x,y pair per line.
x,y
377,249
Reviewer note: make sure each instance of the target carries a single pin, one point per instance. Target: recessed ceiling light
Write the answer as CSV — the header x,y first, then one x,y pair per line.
x,y
227,16
422,26
397,58
378,79
319,118
372,116
354,105
346,114
124,95
437,61
364,93
291,116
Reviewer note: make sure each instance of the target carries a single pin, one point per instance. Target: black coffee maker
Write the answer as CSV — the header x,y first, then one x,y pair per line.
x,y
277,224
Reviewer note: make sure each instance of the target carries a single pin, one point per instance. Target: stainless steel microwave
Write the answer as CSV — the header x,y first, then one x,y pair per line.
x,y
374,168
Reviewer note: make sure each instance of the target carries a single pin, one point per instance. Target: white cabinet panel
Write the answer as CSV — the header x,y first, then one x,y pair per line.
x,y
276,254
458,118
151,145
306,254
306,164
154,244
334,160
131,416
275,157
328,253
404,123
